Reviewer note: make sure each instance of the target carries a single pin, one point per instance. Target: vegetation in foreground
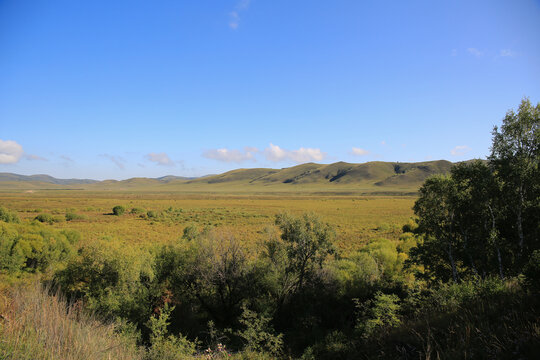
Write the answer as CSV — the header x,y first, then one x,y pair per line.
x,y
460,282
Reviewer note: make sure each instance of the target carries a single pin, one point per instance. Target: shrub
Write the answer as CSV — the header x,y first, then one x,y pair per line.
x,y
118,210
44,218
72,216
165,346
8,216
137,210
378,314
258,335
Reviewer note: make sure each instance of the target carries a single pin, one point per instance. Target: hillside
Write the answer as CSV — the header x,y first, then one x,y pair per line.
x,y
370,177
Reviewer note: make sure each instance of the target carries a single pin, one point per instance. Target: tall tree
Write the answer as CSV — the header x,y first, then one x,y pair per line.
x,y
515,158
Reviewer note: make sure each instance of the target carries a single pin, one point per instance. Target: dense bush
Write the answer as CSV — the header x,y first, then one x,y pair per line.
x,y
8,216
31,248
48,218
118,210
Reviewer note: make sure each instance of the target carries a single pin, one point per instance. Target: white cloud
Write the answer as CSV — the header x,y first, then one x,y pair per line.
x,y
234,16
10,152
160,158
67,158
454,52
460,150
507,53
117,160
234,20
361,152
32,157
475,52
275,153
227,155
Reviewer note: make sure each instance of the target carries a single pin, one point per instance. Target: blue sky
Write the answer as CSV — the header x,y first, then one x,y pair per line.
x,y
117,89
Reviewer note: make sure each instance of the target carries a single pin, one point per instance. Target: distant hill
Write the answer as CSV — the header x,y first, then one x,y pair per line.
x,y
378,173
44,179
370,177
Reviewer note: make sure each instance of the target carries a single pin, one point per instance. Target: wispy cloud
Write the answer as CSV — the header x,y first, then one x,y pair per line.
x,y
383,143
160,158
507,53
66,158
454,52
233,155
475,52
460,150
234,16
33,157
360,152
10,152
117,160
302,155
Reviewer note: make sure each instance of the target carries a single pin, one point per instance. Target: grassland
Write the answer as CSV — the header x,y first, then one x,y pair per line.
x,y
247,217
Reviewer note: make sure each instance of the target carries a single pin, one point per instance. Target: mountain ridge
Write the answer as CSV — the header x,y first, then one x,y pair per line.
x,y
374,175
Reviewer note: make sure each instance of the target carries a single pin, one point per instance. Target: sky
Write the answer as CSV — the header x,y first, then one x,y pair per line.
x,y
120,89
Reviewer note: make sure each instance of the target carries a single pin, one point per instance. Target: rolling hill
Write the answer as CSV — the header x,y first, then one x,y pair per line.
x,y
339,177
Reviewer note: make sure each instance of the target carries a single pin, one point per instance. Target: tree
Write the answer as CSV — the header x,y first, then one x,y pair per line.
x,y
515,157
307,242
435,209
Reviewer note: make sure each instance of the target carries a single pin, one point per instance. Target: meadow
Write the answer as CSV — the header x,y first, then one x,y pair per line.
x,y
356,219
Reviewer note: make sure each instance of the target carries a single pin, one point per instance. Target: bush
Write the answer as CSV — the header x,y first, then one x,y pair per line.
x,y
165,346
48,218
32,248
118,210
137,210
72,216
8,216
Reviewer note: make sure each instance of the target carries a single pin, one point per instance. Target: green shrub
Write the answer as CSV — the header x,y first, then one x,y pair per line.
x,y
73,216
137,210
118,210
8,216
258,335
165,346
45,218
378,314
31,248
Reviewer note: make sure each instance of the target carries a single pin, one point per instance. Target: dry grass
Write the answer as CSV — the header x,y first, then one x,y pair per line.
x,y
35,325
357,219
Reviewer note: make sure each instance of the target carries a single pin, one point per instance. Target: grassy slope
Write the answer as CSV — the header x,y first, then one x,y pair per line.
x,y
337,178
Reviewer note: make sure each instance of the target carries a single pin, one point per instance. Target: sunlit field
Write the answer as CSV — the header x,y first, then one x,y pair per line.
x,y
246,217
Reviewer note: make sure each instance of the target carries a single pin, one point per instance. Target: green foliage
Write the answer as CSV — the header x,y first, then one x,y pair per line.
x,y
73,216
31,248
163,345
111,279
8,216
48,218
118,210
483,219
137,211
379,314
308,242
191,232
257,333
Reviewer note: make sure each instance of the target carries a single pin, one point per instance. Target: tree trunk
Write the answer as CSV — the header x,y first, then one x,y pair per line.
x,y
451,257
